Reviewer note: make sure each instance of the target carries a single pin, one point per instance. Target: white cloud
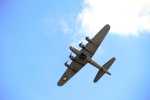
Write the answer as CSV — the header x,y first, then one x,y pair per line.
x,y
126,17
64,26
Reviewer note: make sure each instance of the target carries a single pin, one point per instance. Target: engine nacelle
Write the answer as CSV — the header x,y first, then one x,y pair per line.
x,y
81,45
66,64
72,58
88,39
69,67
74,50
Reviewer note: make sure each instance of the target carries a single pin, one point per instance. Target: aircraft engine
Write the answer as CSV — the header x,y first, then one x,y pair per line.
x,y
74,50
66,64
71,57
81,45
88,39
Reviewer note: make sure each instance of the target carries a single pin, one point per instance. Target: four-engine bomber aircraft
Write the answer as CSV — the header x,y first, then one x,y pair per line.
x,y
84,56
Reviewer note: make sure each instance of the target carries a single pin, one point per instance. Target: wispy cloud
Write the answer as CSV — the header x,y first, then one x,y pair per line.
x,y
126,17
64,26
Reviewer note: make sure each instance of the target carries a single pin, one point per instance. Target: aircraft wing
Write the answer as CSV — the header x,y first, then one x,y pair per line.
x,y
75,66
94,43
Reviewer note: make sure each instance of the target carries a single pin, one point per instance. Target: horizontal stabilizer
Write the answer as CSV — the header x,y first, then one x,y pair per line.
x,y
98,76
104,69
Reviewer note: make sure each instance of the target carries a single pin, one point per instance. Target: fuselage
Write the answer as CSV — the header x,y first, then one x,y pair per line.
x,y
82,56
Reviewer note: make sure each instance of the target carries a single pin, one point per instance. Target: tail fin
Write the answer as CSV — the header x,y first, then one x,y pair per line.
x,y
104,69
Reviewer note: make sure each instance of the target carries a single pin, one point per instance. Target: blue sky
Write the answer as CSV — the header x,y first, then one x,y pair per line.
x,y
34,40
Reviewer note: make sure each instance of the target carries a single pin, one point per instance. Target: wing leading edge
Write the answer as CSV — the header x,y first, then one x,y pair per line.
x,y
94,43
71,71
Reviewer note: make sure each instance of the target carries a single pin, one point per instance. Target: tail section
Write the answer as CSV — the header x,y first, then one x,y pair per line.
x,y
104,69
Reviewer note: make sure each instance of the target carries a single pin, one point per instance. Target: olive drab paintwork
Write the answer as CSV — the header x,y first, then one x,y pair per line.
x,y
85,55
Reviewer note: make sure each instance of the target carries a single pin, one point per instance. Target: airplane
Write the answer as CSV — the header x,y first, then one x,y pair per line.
x,y
84,56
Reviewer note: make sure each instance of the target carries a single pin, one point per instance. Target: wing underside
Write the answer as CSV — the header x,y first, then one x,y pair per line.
x,y
70,72
92,46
